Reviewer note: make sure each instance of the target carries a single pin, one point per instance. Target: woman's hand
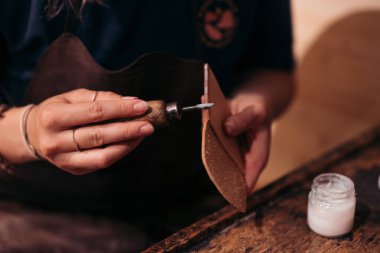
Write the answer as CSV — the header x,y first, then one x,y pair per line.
x,y
61,124
264,96
251,120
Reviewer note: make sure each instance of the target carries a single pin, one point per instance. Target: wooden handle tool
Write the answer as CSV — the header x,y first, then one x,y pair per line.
x,y
160,113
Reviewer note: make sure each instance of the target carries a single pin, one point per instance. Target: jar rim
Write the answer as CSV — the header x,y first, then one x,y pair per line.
x,y
323,186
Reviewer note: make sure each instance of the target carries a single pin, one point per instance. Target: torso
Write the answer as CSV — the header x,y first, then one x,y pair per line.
x,y
215,31
148,183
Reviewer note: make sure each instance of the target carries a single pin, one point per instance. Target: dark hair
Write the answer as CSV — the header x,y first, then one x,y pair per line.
x,y
54,7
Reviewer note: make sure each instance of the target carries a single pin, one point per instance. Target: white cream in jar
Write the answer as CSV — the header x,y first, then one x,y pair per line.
x,y
331,206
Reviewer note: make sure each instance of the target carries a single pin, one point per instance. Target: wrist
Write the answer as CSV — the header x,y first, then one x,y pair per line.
x,y
24,126
12,146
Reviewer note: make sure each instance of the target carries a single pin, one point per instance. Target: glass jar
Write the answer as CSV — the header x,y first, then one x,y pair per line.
x,y
331,206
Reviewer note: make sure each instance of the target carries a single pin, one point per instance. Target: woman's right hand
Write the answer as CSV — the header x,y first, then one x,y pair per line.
x,y
57,125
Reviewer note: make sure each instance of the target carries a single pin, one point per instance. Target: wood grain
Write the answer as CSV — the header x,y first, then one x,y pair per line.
x,y
276,216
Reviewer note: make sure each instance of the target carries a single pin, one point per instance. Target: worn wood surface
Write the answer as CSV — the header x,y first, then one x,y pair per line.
x,y
276,216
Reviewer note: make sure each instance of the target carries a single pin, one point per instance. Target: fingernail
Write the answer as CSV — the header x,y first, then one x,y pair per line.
x,y
128,98
140,107
146,129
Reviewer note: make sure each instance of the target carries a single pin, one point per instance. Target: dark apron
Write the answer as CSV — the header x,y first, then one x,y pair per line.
x,y
163,176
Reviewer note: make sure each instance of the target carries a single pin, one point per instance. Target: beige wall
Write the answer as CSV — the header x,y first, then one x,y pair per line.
x,y
338,73
312,17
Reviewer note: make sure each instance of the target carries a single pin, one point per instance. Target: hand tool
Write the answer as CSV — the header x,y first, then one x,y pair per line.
x,y
160,114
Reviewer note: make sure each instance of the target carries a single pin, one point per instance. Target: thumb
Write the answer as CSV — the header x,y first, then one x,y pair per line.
x,y
241,122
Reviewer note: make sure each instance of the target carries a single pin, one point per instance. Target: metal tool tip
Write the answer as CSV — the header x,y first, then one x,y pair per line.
x,y
206,105
198,107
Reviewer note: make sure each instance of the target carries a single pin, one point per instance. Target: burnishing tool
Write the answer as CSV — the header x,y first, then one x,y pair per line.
x,y
160,114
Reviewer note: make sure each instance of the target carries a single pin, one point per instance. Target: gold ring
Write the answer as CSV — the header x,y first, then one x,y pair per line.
x,y
94,96
75,142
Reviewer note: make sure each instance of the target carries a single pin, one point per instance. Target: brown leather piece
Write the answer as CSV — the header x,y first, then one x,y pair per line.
x,y
67,65
221,153
222,170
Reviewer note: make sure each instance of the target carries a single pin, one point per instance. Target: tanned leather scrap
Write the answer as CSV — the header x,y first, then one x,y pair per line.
x,y
221,153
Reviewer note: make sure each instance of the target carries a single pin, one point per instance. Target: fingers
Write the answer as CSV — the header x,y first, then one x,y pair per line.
x,y
256,155
80,163
65,120
254,121
61,116
96,136
85,95
242,122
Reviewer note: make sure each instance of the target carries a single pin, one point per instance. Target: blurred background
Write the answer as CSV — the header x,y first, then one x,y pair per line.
x,y
337,50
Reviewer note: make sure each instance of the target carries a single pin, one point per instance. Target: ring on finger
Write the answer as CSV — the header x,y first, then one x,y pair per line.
x,y
94,96
75,141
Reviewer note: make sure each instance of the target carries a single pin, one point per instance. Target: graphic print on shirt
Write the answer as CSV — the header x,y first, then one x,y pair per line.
x,y
218,21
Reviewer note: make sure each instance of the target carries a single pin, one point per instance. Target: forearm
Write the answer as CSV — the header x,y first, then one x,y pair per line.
x,y
272,87
12,147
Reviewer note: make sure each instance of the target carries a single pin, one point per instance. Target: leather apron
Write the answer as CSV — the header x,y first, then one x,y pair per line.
x,y
163,174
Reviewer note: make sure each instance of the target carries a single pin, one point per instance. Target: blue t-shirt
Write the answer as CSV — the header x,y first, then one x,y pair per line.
x,y
233,36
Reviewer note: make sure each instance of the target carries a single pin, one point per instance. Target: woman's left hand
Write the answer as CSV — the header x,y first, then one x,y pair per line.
x,y
251,121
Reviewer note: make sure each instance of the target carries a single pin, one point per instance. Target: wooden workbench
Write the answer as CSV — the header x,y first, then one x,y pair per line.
x,y
276,217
